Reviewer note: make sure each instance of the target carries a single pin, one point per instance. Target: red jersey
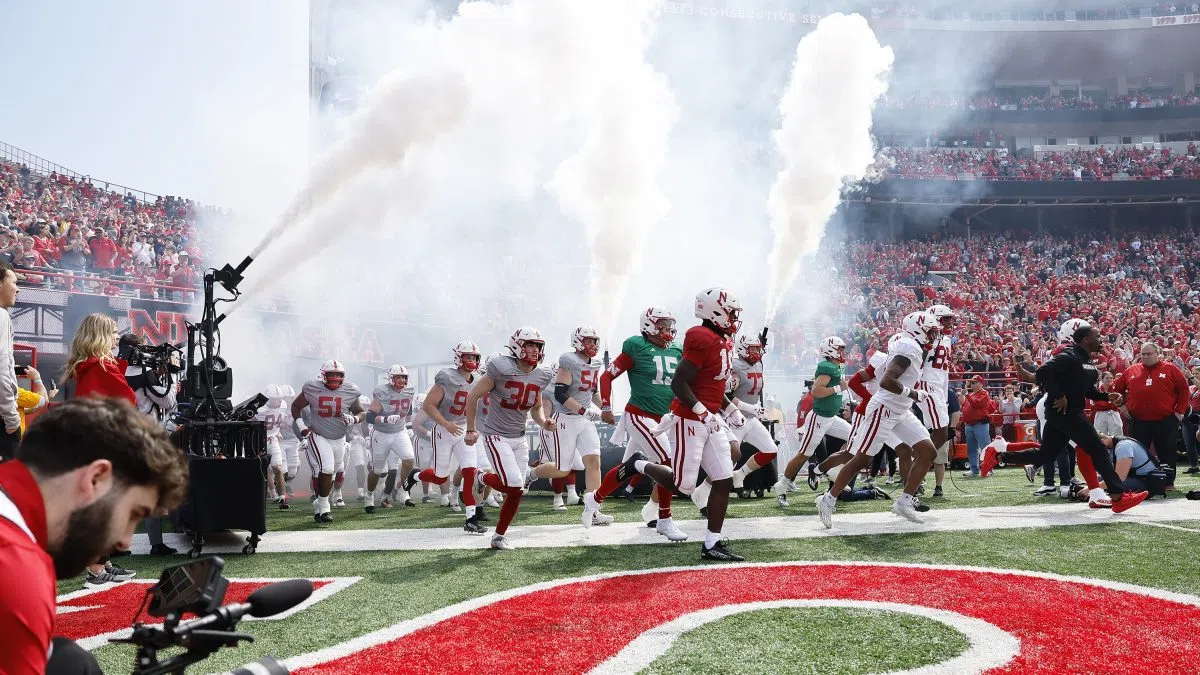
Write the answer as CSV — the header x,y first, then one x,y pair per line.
x,y
712,354
26,608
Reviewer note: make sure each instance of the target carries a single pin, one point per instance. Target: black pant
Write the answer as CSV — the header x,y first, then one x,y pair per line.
x,y
8,445
1066,468
1059,431
1163,434
68,658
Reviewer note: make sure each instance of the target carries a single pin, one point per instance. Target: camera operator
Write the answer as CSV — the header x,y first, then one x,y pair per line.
x,y
87,471
155,389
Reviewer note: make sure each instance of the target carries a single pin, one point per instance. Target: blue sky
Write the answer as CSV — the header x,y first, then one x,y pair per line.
x,y
150,94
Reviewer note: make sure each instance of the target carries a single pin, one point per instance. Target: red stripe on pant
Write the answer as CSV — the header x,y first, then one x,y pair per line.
x,y
678,459
496,463
872,431
650,438
810,431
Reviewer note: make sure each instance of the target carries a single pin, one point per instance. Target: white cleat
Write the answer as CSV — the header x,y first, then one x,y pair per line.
x,y
825,506
491,501
783,500
500,543
650,512
558,503
573,499
602,519
669,530
445,500
590,510
339,503
784,486
905,508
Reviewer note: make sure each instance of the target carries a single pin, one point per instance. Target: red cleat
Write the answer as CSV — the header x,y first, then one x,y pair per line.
x,y
990,461
1128,500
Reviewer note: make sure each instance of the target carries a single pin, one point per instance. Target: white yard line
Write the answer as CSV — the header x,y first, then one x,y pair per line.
x,y
789,527
1170,527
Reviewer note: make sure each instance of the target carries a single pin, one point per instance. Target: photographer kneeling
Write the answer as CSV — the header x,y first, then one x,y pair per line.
x,y
150,373
86,472
1135,467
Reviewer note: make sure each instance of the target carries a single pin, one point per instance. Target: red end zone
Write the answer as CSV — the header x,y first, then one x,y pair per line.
x,y
1064,625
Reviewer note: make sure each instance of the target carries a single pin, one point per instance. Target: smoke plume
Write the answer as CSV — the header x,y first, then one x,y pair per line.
x,y
824,138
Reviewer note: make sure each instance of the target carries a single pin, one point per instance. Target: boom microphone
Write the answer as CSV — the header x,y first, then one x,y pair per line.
x,y
279,596
266,601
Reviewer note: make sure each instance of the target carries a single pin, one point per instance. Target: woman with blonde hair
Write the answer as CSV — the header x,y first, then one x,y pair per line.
x,y
92,369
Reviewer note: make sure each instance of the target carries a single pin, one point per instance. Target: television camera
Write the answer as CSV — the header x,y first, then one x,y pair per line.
x,y
198,587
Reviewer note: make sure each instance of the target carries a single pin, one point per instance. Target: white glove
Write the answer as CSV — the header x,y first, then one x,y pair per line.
x,y
735,418
664,424
760,412
921,394
393,419
713,422
350,419
591,413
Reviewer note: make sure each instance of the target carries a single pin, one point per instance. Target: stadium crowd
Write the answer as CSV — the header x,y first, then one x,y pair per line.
x,y
1079,164
999,101
86,237
904,10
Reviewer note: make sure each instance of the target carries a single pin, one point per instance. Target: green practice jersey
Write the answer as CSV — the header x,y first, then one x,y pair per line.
x,y
650,369
831,405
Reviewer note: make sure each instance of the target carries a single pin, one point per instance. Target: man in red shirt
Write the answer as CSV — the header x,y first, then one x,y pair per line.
x,y
107,467
1156,395
700,437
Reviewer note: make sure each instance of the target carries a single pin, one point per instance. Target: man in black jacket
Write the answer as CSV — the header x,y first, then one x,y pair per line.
x,y
1068,379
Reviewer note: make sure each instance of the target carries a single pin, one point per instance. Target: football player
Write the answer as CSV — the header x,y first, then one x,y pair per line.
x,y
446,405
935,379
576,411
334,406
890,410
514,384
747,396
422,428
650,359
391,410
357,437
289,442
823,419
699,436
275,416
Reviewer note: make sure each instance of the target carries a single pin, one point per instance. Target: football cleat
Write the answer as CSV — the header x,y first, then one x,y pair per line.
x,y
814,479
879,493
455,507
500,543
782,499
990,462
473,527
283,505
410,481
826,504
370,508
385,503
905,507
1030,472
602,519
719,552
429,499
590,510
339,503
409,502
667,528
558,503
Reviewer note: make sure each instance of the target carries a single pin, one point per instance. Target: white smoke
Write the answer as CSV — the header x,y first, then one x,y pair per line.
x,y
824,138
612,184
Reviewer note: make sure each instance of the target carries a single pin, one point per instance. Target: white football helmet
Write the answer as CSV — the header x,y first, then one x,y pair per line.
x,y
523,336
333,373
921,327
1066,332
583,333
466,348
720,307
943,315
745,343
273,391
396,371
834,349
288,391
658,326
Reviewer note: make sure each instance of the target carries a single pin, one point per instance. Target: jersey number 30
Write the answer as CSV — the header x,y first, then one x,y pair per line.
x,y
523,397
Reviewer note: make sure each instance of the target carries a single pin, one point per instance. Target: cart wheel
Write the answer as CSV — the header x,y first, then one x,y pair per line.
x,y
194,553
759,493
249,550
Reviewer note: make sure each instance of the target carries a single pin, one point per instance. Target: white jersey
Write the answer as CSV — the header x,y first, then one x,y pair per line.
x,y
276,420
877,362
908,348
935,375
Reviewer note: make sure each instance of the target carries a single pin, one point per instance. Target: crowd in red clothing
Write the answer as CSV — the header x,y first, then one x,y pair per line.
x,y
1010,296
86,237
999,164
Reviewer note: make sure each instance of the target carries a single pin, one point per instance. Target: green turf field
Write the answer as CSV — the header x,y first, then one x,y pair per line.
x,y
397,584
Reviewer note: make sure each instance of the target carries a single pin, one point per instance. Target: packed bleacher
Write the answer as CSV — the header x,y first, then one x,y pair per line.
x,y
1126,163
1011,295
65,232
994,101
